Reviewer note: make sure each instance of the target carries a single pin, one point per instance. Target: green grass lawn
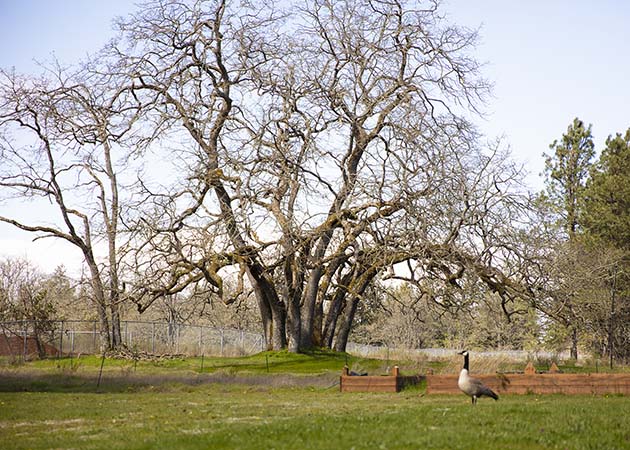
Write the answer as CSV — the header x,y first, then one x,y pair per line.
x,y
318,368
232,416
315,362
239,403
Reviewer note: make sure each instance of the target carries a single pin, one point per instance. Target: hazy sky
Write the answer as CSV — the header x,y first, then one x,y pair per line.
x,y
550,61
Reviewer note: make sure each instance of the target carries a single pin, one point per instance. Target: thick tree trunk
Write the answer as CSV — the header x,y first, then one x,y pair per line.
x,y
267,295
294,324
116,335
319,329
344,330
308,308
293,288
99,298
267,323
313,286
279,332
574,343
357,287
335,309
273,310
318,337
114,309
41,351
104,331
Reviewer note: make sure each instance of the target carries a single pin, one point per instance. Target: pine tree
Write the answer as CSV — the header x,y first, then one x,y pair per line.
x,y
567,169
606,221
606,214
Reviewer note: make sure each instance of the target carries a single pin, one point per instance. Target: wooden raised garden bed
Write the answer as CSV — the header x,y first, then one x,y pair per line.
x,y
531,382
376,383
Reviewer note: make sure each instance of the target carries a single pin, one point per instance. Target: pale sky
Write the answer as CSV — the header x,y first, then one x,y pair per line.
x,y
550,61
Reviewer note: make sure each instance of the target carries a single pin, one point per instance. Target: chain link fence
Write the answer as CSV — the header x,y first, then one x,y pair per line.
x,y
27,339
384,352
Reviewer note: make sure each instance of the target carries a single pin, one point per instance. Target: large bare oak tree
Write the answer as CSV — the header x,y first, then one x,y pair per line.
x,y
309,151
324,146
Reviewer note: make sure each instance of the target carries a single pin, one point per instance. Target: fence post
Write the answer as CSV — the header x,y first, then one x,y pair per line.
x,y
25,350
221,341
201,342
94,337
153,337
61,341
177,342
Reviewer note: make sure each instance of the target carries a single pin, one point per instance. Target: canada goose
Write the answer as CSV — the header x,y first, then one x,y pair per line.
x,y
472,386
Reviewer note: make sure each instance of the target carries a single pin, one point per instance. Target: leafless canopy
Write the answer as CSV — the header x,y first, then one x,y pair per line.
x,y
309,151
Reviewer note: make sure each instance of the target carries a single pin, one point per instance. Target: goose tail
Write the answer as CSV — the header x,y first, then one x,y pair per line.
x,y
490,393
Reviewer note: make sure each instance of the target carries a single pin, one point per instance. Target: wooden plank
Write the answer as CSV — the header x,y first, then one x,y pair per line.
x,y
368,384
369,380
386,383
369,389
353,386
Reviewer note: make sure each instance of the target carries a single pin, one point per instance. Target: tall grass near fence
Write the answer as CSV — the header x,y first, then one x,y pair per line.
x,y
71,338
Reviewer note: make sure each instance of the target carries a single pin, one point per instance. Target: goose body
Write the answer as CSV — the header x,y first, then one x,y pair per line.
x,y
473,387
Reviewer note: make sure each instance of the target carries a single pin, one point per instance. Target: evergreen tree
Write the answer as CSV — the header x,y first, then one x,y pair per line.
x,y
606,221
566,171
606,214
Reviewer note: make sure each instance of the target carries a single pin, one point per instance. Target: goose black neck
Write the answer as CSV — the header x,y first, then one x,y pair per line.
x,y
466,361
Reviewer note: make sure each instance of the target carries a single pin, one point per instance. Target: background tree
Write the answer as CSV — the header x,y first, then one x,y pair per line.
x,y
606,220
606,213
566,171
28,295
409,318
58,144
578,294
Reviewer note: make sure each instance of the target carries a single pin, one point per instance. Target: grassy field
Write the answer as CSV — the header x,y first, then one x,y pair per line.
x,y
175,405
